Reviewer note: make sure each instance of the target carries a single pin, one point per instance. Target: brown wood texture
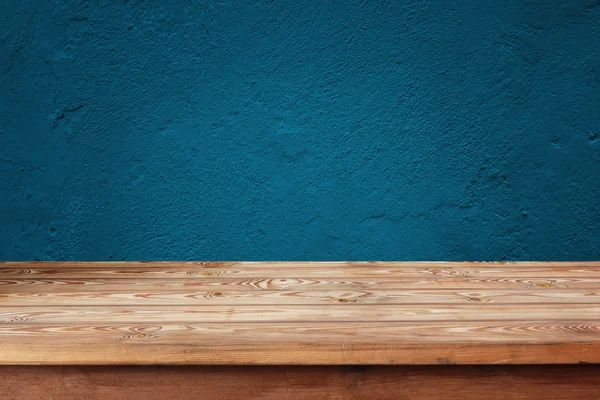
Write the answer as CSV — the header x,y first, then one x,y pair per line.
x,y
299,313
298,383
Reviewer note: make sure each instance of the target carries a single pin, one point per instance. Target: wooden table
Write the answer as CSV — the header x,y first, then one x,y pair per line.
x,y
299,330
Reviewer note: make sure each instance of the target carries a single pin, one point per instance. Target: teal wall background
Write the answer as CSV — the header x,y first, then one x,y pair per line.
x,y
296,130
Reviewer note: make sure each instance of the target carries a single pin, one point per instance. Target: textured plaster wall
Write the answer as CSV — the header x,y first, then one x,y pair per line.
x,y
261,130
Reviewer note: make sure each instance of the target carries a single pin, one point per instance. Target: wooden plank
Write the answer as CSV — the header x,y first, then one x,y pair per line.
x,y
213,334
296,313
51,285
330,297
299,272
73,352
301,383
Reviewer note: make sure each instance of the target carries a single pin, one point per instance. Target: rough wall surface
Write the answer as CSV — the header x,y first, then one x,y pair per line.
x,y
296,130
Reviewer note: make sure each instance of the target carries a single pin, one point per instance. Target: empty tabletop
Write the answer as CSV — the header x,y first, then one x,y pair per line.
x,y
299,313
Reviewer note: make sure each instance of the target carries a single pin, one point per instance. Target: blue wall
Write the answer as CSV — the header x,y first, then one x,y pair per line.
x,y
262,130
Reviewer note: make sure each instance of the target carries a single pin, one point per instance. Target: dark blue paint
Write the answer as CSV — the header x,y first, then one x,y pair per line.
x,y
263,130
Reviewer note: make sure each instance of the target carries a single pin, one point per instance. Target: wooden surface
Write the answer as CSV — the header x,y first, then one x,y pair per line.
x,y
301,383
299,313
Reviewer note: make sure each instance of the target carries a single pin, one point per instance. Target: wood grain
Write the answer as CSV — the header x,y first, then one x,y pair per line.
x,y
134,352
299,313
393,332
301,383
332,297
52,285
294,313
